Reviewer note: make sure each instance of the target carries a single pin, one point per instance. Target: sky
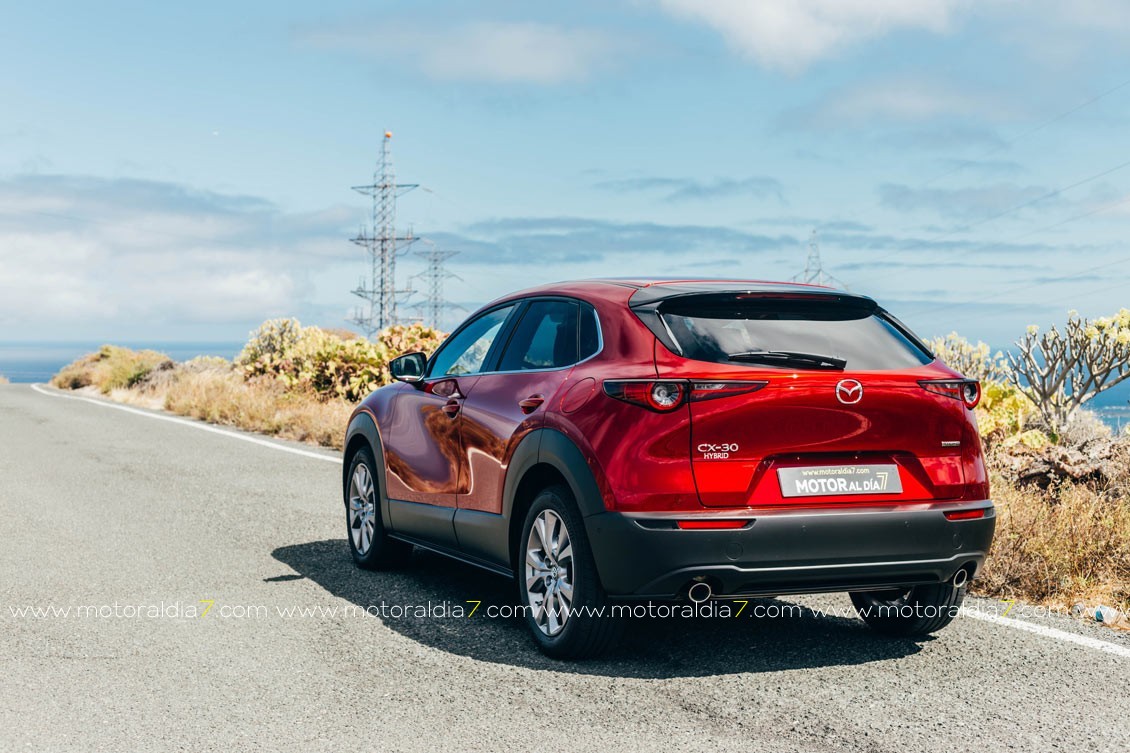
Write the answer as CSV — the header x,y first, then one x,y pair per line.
x,y
174,172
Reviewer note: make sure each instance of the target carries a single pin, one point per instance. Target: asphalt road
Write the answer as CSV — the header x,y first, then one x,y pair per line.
x,y
114,511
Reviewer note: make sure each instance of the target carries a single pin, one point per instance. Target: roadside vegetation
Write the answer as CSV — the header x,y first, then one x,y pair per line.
x,y
1060,478
289,381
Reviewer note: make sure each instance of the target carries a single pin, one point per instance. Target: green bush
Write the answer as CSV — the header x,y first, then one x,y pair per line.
x,y
268,346
326,363
1005,412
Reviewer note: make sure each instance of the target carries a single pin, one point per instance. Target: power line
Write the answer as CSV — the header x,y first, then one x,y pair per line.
x,y
1025,134
1074,297
380,294
1030,286
998,215
1000,147
1040,284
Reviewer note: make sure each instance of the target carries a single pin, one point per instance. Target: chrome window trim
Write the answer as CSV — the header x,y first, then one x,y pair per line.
x,y
597,352
462,326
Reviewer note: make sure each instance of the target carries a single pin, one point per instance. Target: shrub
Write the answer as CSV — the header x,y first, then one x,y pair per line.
x,y
326,362
111,368
268,346
1004,412
973,361
409,338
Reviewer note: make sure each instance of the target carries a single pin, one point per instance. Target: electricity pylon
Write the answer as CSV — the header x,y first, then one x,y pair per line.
x,y
434,304
379,293
814,273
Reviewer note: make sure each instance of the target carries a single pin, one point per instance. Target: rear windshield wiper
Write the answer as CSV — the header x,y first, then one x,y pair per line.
x,y
789,358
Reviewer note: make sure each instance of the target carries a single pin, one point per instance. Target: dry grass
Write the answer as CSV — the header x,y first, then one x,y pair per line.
x,y
223,397
208,389
1058,547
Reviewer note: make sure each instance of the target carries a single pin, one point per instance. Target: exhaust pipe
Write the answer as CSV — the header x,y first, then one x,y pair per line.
x,y
960,578
699,592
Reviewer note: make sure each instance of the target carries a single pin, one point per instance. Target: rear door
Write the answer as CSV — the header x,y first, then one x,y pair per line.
x,y
504,406
856,428
508,403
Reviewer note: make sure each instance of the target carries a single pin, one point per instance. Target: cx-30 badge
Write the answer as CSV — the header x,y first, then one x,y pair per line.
x,y
849,391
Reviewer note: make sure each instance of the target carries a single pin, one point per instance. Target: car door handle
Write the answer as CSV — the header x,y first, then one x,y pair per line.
x,y
531,403
451,408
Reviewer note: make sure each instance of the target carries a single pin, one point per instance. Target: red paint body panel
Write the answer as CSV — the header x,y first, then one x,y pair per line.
x,y
422,443
492,424
797,420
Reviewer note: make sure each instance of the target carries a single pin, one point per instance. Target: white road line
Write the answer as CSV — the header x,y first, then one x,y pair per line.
x,y
1047,632
192,425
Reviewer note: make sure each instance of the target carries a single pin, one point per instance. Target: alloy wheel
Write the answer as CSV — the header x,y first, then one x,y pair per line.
x,y
362,509
549,572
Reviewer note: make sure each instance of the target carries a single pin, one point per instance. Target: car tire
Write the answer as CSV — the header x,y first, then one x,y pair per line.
x,y
557,578
916,611
369,543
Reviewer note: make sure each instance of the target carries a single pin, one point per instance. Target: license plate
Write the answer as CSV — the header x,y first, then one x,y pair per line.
x,y
827,480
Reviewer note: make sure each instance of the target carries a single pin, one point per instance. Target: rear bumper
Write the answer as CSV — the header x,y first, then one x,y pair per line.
x,y
646,556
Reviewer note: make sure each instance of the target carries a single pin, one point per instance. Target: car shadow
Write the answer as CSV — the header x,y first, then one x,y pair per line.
x,y
652,647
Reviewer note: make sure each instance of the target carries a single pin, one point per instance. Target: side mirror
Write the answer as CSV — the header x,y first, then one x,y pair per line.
x,y
409,367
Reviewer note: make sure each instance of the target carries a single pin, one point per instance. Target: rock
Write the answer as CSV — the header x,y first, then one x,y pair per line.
x,y
1099,460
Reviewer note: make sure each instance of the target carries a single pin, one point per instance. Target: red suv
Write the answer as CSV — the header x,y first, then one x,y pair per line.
x,y
603,441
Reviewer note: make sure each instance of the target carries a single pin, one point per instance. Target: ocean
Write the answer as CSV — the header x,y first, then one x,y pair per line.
x,y
38,362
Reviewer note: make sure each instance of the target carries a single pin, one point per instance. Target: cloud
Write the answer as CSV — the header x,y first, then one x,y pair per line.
x,y
96,255
538,241
886,264
983,167
790,35
964,203
945,136
897,101
679,189
822,226
490,51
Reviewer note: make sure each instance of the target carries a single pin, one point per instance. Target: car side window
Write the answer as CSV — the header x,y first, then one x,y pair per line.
x,y
589,340
465,352
545,338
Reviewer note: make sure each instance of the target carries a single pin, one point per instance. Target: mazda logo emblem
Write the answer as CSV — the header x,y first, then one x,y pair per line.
x,y
849,391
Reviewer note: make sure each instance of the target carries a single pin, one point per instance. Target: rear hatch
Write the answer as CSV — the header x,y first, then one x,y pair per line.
x,y
819,401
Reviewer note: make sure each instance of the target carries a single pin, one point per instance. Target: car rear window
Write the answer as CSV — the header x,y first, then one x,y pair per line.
x,y
715,328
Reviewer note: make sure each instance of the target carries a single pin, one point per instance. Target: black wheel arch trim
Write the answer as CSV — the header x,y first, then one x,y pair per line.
x,y
363,425
551,447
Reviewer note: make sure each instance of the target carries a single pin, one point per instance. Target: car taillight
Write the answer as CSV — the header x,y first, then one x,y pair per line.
x,y
664,395
967,391
712,390
655,395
